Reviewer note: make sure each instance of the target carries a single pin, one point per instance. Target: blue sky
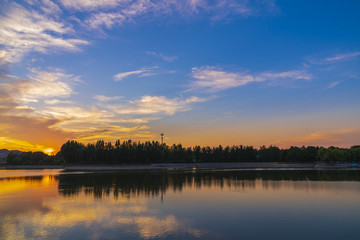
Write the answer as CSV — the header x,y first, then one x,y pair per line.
x,y
203,72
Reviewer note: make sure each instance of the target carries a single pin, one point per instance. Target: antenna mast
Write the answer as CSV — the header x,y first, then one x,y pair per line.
x,y
162,138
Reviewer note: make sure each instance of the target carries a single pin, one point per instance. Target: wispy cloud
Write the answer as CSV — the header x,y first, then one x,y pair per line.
x,y
156,105
169,6
213,79
341,57
103,98
143,72
116,12
162,56
23,31
294,74
92,124
40,85
90,5
47,6
333,84
97,20
56,101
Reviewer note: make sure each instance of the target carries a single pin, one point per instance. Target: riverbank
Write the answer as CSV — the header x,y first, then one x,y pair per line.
x,y
189,166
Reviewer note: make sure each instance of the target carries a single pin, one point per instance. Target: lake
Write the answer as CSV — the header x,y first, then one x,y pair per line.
x,y
208,204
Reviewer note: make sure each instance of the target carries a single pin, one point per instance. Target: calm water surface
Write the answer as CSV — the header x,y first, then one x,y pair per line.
x,y
233,204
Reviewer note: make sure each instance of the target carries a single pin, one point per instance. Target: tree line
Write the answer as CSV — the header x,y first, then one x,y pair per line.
x,y
129,152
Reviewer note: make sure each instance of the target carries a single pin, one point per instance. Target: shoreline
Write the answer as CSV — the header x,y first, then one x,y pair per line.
x,y
190,166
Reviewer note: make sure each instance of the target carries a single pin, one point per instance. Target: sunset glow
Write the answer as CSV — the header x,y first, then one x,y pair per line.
x,y
49,151
202,72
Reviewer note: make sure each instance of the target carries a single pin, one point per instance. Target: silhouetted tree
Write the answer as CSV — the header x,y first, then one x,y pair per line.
x,y
128,152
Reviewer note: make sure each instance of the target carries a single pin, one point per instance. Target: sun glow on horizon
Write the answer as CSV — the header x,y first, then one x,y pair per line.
x,y
49,151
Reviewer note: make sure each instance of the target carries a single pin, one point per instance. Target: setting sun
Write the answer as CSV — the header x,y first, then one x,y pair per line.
x,y
49,151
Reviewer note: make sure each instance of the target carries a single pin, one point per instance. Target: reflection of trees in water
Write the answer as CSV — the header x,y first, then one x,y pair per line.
x,y
152,184
31,179
27,179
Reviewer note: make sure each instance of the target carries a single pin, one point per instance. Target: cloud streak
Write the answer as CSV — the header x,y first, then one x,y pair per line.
x,y
56,101
117,12
338,58
40,85
341,57
23,31
213,79
143,72
97,20
90,5
334,84
148,105
162,56
103,98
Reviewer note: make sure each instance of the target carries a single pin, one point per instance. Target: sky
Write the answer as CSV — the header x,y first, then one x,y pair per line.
x,y
229,72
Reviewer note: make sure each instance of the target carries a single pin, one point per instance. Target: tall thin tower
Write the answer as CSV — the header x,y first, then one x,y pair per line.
x,y
162,138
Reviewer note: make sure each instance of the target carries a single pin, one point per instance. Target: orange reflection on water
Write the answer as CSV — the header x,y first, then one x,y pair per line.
x,y
22,195
9,185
